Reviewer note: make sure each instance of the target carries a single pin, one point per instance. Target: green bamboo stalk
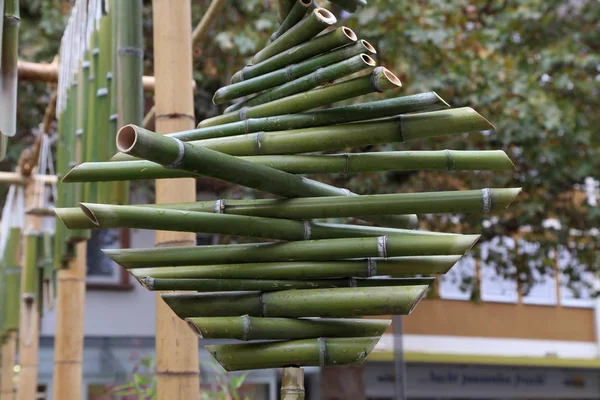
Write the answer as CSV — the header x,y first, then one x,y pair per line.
x,y
252,328
290,73
92,132
334,303
380,80
318,45
349,5
47,270
171,152
112,78
398,267
11,277
240,285
83,114
9,48
103,99
295,14
292,384
283,8
30,268
318,78
439,160
308,352
317,21
486,200
307,250
129,71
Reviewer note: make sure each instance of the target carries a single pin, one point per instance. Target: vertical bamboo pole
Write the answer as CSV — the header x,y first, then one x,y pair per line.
x,y
29,331
68,340
9,348
177,364
292,384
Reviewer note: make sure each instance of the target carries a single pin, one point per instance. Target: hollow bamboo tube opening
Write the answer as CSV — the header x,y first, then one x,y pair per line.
x,y
350,34
194,328
368,46
325,16
126,138
89,214
368,60
391,77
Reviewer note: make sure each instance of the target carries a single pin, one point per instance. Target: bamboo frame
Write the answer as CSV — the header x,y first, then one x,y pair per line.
x,y
177,365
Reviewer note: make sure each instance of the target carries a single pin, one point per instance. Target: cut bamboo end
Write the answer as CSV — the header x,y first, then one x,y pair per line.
x,y
383,79
504,197
73,218
349,33
325,16
126,138
89,213
441,100
368,60
368,46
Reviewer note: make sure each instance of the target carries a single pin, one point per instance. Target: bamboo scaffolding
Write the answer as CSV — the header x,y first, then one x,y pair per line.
x,y
334,303
440,160
308,250
317,21
290,73
397,267
251,328
380,81
177,366
310,352
321,44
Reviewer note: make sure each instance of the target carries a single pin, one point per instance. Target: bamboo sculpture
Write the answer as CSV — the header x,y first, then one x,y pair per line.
x,y
280,291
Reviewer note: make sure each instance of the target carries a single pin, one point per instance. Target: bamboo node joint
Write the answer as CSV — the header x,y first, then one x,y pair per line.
x,y
307,230
486,196
180,154
382,242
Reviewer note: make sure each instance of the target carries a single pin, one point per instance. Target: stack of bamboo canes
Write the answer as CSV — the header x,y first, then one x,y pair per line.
x,y
9,48
297,299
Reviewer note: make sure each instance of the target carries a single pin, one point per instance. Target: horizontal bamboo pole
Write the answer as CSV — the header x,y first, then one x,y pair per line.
x,y
438,160
308,250
44,72
108,216
252,328
290,72
263,285
295,14
380,81
335,303
319,45
309,352
173,153
395,267
317,21
320,77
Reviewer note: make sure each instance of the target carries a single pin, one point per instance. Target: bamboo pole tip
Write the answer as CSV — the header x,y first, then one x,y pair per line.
x,y
194,327
441,100
485,123
126,138
59,214
325,15
350,34
368,46
368,60
89,213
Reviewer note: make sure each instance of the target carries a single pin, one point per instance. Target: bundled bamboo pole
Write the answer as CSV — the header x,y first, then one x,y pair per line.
x,y
253,328
380,80
317,21
321,44
177,366
295,14
291,72
322,76
334,303
366,268
310,352
283,8
308,250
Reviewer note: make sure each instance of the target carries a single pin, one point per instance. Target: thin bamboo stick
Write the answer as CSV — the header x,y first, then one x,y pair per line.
x,y
292,384
8,71
7,355
397,267
251,328
308,250
334,303
317,21
290,73
321,44
177,366
380,80
309,352
68,340
172,152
